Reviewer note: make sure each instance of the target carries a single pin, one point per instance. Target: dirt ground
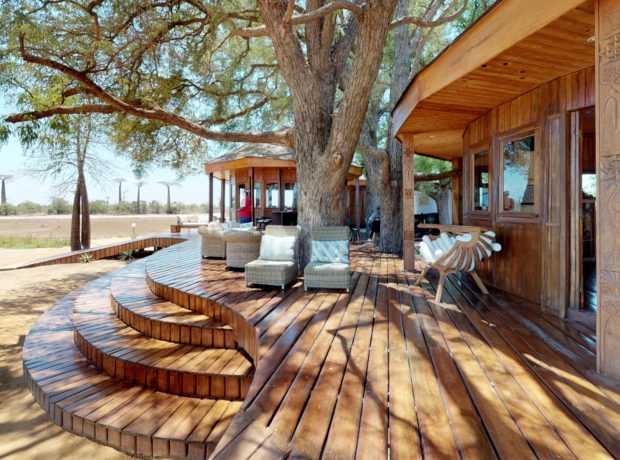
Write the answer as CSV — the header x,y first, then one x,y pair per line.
x,y
25,430
102,227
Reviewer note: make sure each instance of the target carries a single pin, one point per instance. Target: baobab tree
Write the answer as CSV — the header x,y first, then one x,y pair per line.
x,y
309,67
4,178
168,184
119,181
139,185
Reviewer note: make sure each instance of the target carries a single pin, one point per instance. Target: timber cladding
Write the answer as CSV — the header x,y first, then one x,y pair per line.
x,y
533,262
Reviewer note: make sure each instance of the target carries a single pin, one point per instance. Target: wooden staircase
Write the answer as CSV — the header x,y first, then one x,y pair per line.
x,y
120,365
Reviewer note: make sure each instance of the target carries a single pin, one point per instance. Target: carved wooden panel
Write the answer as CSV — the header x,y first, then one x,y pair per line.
x,y
608,228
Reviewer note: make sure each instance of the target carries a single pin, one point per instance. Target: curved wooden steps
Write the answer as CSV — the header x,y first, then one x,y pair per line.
x,y
125,353
88,402
135,305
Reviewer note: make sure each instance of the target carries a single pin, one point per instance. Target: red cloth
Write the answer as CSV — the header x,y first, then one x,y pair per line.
x,y
246,211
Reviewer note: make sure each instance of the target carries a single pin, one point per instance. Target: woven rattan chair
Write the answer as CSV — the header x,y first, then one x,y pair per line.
x,y
242,246
330,275
274,272
457,249
212,244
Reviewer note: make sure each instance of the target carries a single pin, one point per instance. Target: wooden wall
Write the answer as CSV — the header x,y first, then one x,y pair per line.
x,y
533,262
263,176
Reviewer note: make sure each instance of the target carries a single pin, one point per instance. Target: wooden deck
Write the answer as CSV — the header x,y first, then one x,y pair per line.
x,y
382,371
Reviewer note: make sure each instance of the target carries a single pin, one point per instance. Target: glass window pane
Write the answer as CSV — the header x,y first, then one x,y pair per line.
x,y
290,196
241,195
481,181
257,194
519,163
273,196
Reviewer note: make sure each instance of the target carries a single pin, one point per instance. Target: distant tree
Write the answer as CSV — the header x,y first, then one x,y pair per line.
x,y
4,178
119,181
168,184
59,206
63,150
139,184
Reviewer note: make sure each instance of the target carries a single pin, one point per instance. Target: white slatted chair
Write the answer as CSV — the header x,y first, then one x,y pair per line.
x,y
457,249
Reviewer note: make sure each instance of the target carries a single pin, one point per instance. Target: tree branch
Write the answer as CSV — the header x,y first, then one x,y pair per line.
x,y
153,112
384,158
436,176
410,20
304,18
60,110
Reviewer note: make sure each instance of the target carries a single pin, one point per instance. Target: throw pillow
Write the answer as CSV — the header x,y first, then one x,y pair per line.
x,y
278,248
330,252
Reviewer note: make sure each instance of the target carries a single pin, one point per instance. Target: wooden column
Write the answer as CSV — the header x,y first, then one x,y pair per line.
x,y
408,204
231,204
457,193
210,197
281,195
608,194
357,203
223,201
251,176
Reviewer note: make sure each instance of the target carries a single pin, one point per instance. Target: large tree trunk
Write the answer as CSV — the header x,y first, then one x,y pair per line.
x,y
76,244
120,196
3,193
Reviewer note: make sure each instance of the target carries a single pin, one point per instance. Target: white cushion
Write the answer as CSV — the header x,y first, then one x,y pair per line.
x,y
246,226
278,248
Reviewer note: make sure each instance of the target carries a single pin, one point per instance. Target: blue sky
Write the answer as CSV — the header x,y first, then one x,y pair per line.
x,y
192,189
23,187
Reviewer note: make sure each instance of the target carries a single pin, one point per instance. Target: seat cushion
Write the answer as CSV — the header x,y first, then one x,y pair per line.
x,y
278,248
322,267
330,251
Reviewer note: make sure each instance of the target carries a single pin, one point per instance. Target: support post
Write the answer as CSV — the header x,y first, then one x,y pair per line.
x,y
252,216
457,192
608,184
223,201
357,203
408,205
210,197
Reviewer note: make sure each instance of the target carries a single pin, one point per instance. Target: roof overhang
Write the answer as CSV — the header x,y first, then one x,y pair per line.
x,y
516,47
222,169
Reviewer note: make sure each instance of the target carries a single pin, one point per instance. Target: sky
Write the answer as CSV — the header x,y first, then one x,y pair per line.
x,y
23,187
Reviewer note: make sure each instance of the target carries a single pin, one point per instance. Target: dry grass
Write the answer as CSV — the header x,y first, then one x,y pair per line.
x,y
32,242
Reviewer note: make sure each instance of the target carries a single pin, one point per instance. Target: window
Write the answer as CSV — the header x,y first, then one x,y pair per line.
x,y
257,194
273,195
519,175
290,196
241,195
481,181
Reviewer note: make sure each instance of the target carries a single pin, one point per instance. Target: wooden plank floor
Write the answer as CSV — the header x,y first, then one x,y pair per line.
x,y
385,372
379,372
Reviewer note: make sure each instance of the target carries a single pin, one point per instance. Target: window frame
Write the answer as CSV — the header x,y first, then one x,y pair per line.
x,y
475,150
277,205
521,133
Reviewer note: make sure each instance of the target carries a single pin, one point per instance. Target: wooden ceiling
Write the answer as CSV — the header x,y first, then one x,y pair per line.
x,y
559,48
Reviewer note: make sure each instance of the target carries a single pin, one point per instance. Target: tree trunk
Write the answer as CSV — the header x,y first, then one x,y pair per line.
x,y
120,196
85,234
138,202
3,193
169,208
76,244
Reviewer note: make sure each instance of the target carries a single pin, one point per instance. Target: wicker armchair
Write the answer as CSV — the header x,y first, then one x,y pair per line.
x,y
322,273
275,272
242,246
212,244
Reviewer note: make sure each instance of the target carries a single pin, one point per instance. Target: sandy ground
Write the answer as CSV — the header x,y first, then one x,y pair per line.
x,y
25,430
102,227
105,230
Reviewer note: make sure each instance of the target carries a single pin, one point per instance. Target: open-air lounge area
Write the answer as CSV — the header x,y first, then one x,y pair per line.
x,y
280,327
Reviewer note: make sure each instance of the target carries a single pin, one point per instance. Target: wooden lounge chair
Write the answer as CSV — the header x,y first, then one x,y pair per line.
x,y
329,268
277,264
457,249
